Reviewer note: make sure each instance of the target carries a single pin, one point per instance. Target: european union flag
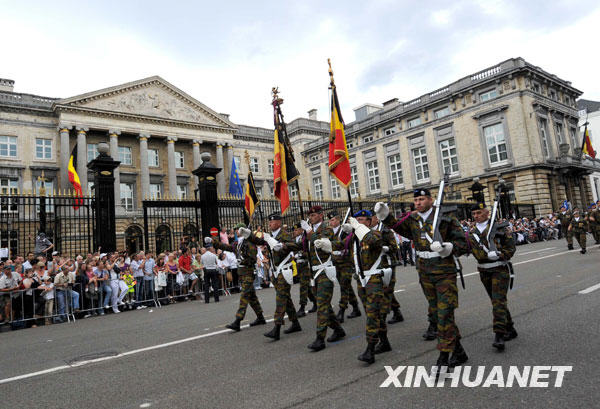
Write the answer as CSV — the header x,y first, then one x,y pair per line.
x,y
235,186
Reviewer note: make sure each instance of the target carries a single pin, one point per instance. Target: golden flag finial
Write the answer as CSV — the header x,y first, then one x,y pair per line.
x,y
330,72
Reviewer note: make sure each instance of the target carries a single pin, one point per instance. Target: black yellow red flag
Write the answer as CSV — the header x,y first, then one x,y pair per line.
x,y
339,161
74,178
251,198
586,145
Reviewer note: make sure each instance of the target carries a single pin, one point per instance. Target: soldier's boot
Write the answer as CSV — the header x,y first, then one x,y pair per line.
x,y
396,316
274,333
338,333
318,344
570,247
431,332
384,343
340,315
583,251
498,341
442,362
314,307
369,355
294,328
301,311
459,356
235,325
355,311
511,334
260,320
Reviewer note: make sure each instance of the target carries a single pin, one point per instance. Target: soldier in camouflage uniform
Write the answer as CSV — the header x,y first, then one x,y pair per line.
x,y
245,250
345,269
306,290
594,219
321,243
493,271
579,228
371,249
281,261
437,269
565,219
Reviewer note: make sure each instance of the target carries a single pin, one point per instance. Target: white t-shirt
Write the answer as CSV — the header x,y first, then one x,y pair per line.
x,y
49,294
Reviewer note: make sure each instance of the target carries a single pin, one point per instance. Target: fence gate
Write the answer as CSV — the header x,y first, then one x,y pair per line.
x,y
170,223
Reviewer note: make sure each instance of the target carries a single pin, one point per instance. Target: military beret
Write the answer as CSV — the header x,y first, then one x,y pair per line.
x,y
477,206
333,214
237,226
422,192
315,209
363,213
274,216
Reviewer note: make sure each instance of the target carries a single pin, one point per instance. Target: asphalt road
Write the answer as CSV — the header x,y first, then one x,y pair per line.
x,y
182,356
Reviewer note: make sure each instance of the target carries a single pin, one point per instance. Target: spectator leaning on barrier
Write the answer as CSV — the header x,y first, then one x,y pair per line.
x,y
63,283
47,288
137,270
148,284
9,284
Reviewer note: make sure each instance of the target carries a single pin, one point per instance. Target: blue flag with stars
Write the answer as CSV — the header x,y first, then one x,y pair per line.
x,y
235,186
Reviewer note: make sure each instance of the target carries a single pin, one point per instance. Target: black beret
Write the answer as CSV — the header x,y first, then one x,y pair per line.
x,y
333,214
477,206
422,192
274,216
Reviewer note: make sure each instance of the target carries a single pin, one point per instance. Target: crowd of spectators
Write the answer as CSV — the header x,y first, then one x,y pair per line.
x,y
525,230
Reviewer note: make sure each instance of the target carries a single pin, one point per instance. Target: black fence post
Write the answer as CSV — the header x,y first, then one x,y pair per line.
x,y
207,192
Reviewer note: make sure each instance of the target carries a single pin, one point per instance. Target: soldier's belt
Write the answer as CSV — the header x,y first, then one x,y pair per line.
x,y
491,265
428,254
337,253
300,261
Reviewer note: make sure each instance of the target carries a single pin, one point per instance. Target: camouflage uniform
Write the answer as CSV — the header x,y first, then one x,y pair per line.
x,y
392,303
345,269
306,290
437,275
579,229
495,279
283,299
565,220
595,224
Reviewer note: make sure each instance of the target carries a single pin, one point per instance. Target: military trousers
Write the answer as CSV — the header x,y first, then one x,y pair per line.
x,y
347,295
306,290
325,316
569,236
581,238
375,308
248,294
496,281
283,301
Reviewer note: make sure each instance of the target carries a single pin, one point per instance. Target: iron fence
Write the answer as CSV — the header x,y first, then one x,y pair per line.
x,y
168,223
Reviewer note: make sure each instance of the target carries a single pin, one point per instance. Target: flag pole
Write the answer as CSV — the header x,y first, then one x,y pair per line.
x,y
247,218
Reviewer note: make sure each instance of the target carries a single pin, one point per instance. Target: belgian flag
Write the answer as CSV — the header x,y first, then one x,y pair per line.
x,y
339,161
284,168
586,145
251,198
74,178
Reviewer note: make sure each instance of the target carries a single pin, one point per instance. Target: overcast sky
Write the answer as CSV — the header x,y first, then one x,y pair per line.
x,y
229,54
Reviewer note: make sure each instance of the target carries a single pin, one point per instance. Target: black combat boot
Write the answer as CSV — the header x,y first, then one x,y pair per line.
x,y
355,311
431,332
396,316
442,361
384,343
314,307
582,251
301,311
274,333
340,315
260,320
369,355
459,356
511,334
498,341
317,345
338,333
235,325
570,247
294,328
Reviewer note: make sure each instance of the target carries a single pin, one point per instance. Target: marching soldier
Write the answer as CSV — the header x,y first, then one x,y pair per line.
x,y
565,219
301,257
594,219
494,271
245,250
578,228
437,268
283,276
372,262
345,269
321,243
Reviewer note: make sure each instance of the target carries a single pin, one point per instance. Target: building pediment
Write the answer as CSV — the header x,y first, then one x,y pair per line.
x,y
152,98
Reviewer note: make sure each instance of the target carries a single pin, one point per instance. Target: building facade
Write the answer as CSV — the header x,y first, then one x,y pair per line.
x,y
590,113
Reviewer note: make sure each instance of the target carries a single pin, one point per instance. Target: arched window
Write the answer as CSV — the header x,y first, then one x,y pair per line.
x,y
163,239
134,239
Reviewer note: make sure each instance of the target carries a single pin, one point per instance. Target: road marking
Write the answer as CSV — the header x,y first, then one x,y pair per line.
x,y
590,289
536,251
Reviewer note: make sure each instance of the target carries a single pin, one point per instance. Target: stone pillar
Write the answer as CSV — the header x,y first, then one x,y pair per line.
x,y
220,176
207,194
230,162
65,154
171,166
144,171
196,158
82,157
113,135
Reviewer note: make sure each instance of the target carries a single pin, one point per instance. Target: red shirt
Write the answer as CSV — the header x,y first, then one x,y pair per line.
x,y
185,263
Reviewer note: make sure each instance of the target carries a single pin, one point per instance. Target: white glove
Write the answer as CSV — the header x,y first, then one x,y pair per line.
x,y
244,232
445,248
347,228
353,222
324,244
382,211
270,241
385,249
493,255
277,247
305,226
208,240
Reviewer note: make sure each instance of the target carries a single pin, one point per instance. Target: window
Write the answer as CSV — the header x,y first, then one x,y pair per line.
x,y
254,168
270,166
293,191
486,96
449,156
395,165
496,144
414,122
318,187
181,191
389,131
92,151
373,177
335,187
8,146
258,190
536,87
442,112
125,155
90,186
544,136
553,94
566,99
179,160
127,196
238,162
153,159
314,157
368,138
49,187
350,143
8,186
354,183
43,149
573,134
155,191
559,133
421,164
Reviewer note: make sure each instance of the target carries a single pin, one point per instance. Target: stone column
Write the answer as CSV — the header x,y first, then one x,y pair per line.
x,y
144,171
172,170
113,135
230,161
65,154
82,157
196,158
220,176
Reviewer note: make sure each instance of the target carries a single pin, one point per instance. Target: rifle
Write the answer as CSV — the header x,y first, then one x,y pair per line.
x,y
497,229
344,222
